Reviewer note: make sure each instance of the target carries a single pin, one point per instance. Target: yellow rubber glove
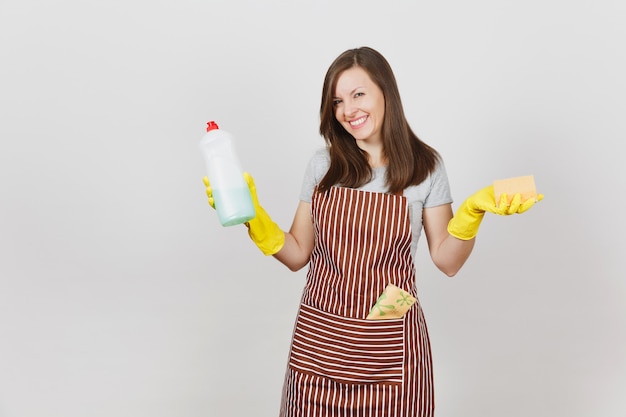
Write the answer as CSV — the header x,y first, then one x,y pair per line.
x,y
209,191
466,221
262,230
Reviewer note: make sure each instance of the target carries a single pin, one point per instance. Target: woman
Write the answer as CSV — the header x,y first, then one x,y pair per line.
x,y
364,201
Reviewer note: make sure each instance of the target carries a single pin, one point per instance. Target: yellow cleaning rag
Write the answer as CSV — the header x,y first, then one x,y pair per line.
x,y
393,303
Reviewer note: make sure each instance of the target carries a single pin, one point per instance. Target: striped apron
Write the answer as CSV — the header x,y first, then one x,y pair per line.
x,y
340,364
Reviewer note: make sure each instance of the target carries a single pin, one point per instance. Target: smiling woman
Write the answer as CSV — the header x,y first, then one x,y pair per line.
x,y
363,122
363,204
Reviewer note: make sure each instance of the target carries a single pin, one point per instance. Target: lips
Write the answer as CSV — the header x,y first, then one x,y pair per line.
x,y
358,122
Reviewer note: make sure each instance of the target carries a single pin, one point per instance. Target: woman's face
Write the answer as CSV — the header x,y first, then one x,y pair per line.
x,y
359,105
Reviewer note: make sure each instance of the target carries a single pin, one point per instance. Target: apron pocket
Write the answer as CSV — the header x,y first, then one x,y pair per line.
x,y
352,351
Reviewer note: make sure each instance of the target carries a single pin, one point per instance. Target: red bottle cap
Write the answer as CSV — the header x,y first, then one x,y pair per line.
x,y
211,126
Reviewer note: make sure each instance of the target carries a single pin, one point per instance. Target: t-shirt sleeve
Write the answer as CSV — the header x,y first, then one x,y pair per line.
x,y
439,187
315,171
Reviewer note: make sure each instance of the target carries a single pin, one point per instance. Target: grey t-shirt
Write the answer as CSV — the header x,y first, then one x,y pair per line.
x,y
433,191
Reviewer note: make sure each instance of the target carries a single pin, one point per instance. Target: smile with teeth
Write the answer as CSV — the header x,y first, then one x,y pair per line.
x,y
358,122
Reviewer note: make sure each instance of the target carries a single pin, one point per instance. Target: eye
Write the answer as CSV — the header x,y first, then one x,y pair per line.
x,y
336,102
359,94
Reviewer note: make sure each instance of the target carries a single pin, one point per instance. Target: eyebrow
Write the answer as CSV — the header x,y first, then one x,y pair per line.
x,y
353,91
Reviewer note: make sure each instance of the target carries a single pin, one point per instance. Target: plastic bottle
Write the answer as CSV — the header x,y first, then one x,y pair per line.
x,y
233,202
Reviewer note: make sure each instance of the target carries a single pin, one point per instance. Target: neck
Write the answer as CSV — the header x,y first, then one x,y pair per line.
x,y
376,160
375,156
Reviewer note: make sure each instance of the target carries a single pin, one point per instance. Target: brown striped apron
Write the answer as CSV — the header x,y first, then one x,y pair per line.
x,y
340,364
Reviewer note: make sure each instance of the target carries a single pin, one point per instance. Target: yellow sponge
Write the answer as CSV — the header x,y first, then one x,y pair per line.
x,y
524,185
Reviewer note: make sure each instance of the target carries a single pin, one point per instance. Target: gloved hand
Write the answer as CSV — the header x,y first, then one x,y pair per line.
x,y
209,191
263,231
466,221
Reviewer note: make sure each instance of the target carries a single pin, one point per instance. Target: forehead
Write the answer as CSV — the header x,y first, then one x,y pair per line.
x,y
351,79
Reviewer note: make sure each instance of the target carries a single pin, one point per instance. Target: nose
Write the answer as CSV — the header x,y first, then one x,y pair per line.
x,y
349,109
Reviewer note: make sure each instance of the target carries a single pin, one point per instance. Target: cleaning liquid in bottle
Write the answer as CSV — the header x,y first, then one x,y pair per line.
x,y
233,201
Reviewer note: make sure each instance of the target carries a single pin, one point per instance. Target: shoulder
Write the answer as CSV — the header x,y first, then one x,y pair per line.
x,y
319,163
434,190
315,171
321,156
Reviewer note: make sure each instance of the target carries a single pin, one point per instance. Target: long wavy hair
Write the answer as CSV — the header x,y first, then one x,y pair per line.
x,y
409,160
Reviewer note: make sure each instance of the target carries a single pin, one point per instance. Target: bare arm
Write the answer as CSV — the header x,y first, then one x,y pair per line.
x,y
447,252
299,241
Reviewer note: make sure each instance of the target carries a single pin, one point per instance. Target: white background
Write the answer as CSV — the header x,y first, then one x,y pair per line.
x,y
120,294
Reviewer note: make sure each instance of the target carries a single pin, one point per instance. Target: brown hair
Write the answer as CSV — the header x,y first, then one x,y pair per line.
x,y
410,160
